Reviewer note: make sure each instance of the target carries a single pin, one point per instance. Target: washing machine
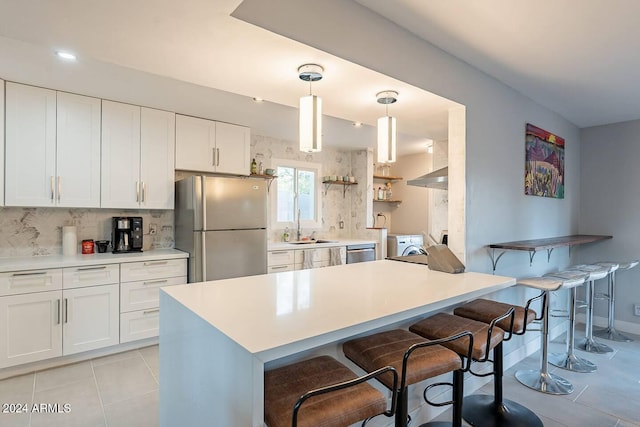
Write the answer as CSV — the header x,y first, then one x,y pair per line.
x,y
404,244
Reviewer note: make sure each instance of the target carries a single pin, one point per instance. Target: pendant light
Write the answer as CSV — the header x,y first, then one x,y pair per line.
x,y
310,111
387,128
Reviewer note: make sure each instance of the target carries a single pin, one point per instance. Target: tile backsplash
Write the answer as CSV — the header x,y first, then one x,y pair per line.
x,y
38,231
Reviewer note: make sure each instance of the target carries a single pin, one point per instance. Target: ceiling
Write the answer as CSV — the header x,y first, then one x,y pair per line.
x,y
164,47
578,58
193,57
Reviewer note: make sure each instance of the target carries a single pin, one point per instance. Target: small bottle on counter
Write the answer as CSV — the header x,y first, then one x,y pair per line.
x,y
261,169
254,167
285,235
380,194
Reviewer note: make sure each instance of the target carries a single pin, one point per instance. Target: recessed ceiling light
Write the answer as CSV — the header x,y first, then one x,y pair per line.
x,y
257,99
66,55
357,124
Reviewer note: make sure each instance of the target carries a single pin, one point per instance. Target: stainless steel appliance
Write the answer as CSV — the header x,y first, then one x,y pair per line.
x,y
222,223
404,244
126,234
361,253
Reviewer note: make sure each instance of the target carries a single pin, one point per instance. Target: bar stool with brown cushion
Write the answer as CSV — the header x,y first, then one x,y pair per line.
x,y
485,410
322,392
417,359
487,337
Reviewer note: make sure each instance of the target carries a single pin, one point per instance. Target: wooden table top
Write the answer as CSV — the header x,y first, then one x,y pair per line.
x,y
549,243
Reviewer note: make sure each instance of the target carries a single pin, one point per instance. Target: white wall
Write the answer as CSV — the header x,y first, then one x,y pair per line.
x,y
610,204
496,208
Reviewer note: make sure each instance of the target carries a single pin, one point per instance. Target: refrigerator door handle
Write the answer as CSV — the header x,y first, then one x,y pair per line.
x,y
203,256
203,201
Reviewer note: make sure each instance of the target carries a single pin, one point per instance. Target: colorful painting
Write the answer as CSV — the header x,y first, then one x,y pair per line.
x,y
544,168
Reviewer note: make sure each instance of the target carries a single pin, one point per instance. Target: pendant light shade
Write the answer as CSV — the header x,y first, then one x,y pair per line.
x,y
310,124
387,129
386,139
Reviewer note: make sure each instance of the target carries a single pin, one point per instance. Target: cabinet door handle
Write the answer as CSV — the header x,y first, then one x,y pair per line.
x,y
35,273
58,311
59,188
279,267
279,252
155,263
137,192
150,311
154,282
52,188
213,157
144,191
102,267
66,307
217,157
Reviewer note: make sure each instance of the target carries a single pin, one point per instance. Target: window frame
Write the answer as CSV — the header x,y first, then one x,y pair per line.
x,y
304,224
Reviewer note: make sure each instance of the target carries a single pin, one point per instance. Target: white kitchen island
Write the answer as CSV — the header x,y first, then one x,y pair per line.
x,y
216,337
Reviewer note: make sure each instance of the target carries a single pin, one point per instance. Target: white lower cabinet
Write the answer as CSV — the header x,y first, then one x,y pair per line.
x,y
278,261
63,311
317,258
90,318
30,327
138,325
140,284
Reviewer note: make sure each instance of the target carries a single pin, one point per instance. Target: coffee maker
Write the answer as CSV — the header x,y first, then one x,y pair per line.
x,y
127,234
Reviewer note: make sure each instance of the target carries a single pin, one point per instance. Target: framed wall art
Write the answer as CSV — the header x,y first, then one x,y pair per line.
x,y
544,163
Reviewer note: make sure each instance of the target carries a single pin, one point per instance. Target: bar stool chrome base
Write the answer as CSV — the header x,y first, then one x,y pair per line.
x,y
571,362
611,335
544,382
480,410
588,344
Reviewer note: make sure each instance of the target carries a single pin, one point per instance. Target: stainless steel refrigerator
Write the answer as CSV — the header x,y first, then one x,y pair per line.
x,y
222,223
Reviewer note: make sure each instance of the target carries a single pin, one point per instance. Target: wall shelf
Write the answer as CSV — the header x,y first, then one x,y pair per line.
x,y
345,185
388,178
535,245
397,202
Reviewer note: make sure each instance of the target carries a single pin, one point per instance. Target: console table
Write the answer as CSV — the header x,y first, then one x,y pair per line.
x,y
535,245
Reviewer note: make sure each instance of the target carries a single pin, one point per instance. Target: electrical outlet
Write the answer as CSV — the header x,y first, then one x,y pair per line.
x,y
636,309
153,228
341,225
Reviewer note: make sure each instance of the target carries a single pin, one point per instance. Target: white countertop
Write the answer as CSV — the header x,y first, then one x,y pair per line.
x,y
61,261
280,246
262,313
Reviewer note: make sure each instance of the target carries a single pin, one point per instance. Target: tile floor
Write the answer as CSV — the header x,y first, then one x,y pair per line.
x,y
122,390
609,397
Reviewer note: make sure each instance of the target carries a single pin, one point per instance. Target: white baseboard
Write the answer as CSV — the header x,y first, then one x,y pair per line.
x,y
622,326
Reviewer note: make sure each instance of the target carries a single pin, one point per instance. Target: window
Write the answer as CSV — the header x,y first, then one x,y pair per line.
x,y
297,193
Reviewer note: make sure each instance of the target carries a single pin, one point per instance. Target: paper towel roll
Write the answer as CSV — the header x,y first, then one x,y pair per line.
x,y
69,240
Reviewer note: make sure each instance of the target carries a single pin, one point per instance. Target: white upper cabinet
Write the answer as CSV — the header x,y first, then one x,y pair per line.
x,y
232,148
1,142
30,146
137,157
209,146
120,155
53,148
195,144
157,148
78,151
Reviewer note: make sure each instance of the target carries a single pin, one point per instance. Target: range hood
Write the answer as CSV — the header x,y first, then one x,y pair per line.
x,y
436,179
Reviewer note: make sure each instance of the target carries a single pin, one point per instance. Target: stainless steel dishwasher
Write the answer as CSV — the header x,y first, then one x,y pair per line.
x,y
361,253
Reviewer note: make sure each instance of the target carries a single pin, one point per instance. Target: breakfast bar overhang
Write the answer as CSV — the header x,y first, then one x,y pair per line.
x,y
216,337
